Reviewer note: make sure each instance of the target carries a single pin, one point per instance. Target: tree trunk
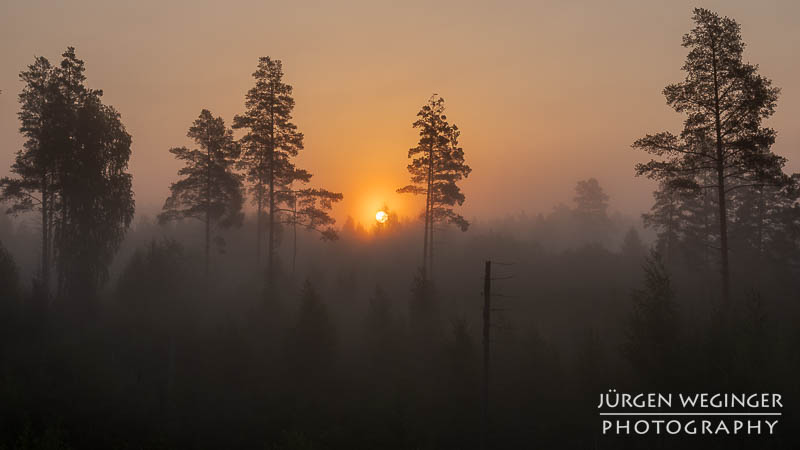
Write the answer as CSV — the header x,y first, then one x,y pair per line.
x,y
208,242
723,210
208,210
271,237
428,214
61,271
425,243
271,181
294,231
723,237
259,212
45,238
430,239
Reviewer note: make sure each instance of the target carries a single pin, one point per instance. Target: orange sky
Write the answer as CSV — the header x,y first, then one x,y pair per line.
x,y
546,93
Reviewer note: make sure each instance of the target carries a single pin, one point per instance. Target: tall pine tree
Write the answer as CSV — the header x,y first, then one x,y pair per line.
x,y
209,191
34,165
437,165
270,143
725,101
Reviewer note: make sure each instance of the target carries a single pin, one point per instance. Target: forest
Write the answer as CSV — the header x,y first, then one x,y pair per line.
x,y
243,315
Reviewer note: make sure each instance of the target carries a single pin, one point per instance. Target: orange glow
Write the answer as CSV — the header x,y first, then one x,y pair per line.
x,y
535,115
381,216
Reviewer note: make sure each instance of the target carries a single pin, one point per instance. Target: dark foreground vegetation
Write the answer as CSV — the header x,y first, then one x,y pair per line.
x,y
355,352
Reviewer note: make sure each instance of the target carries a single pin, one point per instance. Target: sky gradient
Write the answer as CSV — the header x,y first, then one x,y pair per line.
x,y
545,93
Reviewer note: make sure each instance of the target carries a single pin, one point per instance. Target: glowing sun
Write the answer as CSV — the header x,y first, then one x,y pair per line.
x,y
381,216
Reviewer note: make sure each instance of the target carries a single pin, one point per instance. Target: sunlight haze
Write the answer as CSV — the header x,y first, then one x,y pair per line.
x,y
545,93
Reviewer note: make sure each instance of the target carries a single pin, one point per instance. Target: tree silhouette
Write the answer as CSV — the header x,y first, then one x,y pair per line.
x,y
591,210
652,344
309,209
684,218
763,219
666,217
437,165
73,168
311,342
725,101
97,203
270,143
379,330
35,163
590,199
209,191
9,276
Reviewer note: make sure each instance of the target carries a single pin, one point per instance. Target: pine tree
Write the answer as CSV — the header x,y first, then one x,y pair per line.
x,y
311,343
437,165
590,199
665,218
34,165
269,145
591,210
209,191
380,335
725,100
652,345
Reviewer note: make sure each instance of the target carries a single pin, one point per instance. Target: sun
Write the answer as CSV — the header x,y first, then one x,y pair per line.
x,y
381,216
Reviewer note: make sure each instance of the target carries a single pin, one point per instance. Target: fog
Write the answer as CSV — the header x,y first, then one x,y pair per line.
x,y
222,280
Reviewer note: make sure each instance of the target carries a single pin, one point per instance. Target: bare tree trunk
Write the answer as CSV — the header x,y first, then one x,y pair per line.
x,y
259,220
760,234
272,208
208,210
45,238
271,237
294,231
723,237
428,214
723,207
430,239
61,271
425,244
706,229
208,243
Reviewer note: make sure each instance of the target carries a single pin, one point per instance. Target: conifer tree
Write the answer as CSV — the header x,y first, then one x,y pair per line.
x,y
34,165
312,341
209,191
73,169
725,101
437,165
591,211
652,342
270,143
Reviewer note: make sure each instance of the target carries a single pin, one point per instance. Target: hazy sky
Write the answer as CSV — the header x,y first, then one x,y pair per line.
x,y
545,93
